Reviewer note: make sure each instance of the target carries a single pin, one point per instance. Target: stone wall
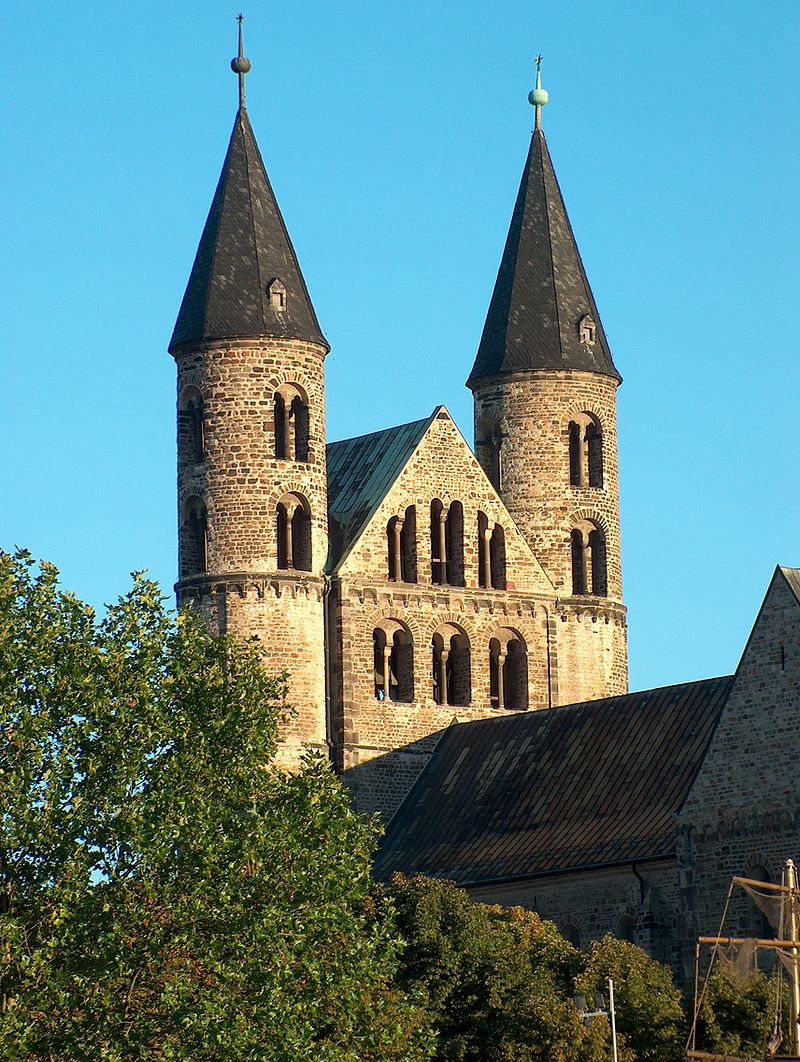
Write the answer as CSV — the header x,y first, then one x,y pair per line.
x,y
742,815
638,903
528,414
240,482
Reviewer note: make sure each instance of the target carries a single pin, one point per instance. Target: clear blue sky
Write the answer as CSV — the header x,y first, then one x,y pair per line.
x,y
395,137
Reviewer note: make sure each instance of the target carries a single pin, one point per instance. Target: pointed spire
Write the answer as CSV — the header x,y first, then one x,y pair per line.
x,y
241,65
542,314
246,281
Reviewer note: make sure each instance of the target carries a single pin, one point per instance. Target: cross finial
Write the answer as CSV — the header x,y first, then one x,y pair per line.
x,y
240,65
539,97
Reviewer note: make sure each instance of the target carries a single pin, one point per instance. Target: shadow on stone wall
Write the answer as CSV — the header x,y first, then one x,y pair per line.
x,y
380,784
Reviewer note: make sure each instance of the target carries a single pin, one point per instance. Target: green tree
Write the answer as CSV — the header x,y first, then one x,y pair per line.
x,y
650,1017
498,980
164,892
735,1020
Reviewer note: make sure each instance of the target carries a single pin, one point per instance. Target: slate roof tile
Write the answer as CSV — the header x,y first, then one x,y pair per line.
x,y
244,247
542,292
580,786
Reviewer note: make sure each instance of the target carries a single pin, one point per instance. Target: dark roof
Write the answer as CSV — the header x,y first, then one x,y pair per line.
x,y
559,789
541,292
360,472
244,247
792,577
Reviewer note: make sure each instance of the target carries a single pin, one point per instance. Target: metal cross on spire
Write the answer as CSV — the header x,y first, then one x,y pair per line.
x,y
240,65
538,97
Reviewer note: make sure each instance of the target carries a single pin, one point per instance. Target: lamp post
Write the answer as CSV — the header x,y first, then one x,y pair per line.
x,y
600,1012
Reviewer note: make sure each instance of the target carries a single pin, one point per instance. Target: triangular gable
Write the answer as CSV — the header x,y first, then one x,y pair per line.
x,y
752,757
440,464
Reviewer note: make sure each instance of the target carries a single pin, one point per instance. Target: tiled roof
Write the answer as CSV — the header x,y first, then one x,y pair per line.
x,y
581,786
792,577
541,293
244,247
360,472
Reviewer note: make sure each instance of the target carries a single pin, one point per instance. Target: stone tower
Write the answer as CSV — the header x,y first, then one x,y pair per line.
x,y
252,495
544,387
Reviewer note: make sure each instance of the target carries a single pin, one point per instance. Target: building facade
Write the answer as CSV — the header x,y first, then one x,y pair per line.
x,y
401,581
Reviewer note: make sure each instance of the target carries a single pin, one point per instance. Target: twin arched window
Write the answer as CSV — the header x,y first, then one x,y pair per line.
x,y
588,545
291,424
447,543
585,452
192,425
452,682
293,519
393,652
194,538
508,671
491,554
401,542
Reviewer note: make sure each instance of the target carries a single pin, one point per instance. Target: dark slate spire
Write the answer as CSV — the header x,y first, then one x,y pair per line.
x,y
542,314
245,281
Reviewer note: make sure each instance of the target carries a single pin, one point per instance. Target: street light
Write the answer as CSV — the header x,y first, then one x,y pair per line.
x,y
600,1012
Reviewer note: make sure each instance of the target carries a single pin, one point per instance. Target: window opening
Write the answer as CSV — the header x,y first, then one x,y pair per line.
x,y
508,671
393,665
451,678
293,527
196,560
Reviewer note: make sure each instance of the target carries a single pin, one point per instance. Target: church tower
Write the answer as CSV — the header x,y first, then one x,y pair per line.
x,y
252,494
544,387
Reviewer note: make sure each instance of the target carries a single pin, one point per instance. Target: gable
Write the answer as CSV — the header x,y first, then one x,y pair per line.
x,y
440,466
588,785
752,760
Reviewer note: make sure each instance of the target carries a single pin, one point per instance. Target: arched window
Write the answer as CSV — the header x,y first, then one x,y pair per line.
x,y
194,558
192,425
594,454
491,554
447,543
588,549
454,531
393,653
585,451
451,671
578,562
575,455
497,557
570,932
401,542
280,426
626,929
755,922
438,543
291,420
293,525
508,671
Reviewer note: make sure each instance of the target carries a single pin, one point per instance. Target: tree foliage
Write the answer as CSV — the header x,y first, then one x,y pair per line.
x,y
650,1017
165,893
498,980
735,1020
